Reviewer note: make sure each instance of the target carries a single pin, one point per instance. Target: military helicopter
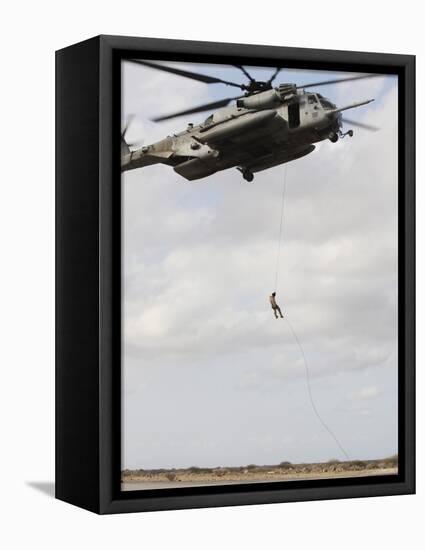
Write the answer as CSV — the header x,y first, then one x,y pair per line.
x,y
266,126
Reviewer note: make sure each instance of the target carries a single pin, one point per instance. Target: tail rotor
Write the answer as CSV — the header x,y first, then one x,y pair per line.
x,y
127,146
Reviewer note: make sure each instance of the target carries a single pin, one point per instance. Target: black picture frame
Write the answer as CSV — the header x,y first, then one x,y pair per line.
x,y
88,272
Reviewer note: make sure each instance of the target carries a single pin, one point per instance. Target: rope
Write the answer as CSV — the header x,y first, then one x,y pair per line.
x,y
307,370
282,208
310,393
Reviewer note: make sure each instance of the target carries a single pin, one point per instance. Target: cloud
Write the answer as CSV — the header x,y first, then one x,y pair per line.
x,y
369,392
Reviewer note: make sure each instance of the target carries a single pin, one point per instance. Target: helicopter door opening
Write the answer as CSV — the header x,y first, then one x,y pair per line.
x,y
294,114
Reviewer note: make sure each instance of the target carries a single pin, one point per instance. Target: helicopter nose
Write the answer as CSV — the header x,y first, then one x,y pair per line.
x,y
336,119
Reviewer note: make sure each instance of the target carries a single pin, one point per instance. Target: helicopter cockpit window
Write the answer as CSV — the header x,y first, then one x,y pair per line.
x,y
208,120
312,99
327,105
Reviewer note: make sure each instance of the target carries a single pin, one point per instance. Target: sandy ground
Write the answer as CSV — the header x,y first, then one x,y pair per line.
x,y
189,479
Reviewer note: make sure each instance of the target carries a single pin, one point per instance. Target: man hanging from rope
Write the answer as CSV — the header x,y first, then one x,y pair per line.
x,y
275,307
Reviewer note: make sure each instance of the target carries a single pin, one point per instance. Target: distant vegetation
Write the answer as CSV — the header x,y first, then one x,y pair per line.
x,y
284,468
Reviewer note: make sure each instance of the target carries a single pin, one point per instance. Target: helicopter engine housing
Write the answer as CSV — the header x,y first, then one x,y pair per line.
x,y
269,99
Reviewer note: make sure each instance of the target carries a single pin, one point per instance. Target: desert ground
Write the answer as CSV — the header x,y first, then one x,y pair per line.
x,y
135,480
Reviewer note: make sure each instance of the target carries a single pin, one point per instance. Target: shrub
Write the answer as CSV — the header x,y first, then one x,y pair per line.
x,y
391,460
358,463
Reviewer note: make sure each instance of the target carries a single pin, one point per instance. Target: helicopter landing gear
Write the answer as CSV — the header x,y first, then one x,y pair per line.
x,y
349,133
247,174
333,137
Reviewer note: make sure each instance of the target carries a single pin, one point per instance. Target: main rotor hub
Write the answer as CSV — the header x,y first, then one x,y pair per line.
x,y
257,86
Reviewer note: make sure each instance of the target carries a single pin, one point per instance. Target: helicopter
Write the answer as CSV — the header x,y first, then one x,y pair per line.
x,y
266,126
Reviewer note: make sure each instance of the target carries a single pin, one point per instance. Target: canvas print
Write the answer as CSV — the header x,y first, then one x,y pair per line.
x,y
259,274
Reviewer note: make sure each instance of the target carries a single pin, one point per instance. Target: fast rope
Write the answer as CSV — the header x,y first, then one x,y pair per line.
x,y
310,393
306,367
279,243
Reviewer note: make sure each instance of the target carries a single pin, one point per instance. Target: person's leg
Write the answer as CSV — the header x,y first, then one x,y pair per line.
x,y
280,313
275,312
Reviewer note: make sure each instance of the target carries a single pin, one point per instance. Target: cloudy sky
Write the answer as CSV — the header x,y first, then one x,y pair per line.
x,y
209,376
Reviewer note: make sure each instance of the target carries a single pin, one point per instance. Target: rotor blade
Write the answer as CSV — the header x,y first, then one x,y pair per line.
x,y
198,109
128,121
274,75
360,125
245,72
187,74
338,80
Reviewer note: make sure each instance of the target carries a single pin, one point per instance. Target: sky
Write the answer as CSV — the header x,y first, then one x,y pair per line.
x,y
210,378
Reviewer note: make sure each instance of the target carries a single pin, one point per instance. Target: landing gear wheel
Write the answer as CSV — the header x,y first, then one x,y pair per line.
x,y
333,137
248,175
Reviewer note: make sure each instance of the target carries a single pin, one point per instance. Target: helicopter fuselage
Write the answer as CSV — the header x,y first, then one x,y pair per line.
x,y
262,130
